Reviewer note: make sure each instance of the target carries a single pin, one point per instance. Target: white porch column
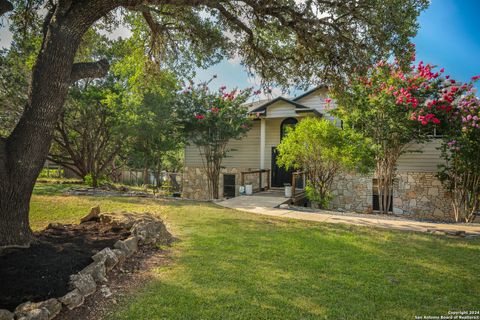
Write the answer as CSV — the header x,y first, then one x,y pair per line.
x,y
263,126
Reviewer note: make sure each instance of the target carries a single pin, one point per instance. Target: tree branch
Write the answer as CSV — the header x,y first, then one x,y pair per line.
x,y
5,6
83,70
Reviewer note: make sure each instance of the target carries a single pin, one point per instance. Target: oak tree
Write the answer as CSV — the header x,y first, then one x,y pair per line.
x,y
283,41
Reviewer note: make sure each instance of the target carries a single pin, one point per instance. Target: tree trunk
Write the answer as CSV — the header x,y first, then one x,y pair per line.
x,y
94,180
14,223
146,177
215,189
23,153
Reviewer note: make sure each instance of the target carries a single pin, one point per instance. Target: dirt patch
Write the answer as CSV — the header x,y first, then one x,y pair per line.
x,y
43,270
122,283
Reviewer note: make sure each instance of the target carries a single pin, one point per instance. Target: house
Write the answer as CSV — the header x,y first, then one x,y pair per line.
x,y
416,192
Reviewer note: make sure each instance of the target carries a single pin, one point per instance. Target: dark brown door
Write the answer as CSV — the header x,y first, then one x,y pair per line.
x,y
280,176
229,185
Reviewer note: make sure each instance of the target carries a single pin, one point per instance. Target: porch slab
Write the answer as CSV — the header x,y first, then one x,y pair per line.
x,y
267,205
256,202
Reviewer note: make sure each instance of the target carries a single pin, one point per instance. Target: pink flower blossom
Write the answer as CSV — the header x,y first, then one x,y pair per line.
x,y
199,116
451,143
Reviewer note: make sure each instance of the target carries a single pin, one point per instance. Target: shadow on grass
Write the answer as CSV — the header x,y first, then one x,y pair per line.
x,y
236,266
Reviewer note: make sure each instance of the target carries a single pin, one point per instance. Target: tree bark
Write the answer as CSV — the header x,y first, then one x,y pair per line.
x,y
23,153
14,207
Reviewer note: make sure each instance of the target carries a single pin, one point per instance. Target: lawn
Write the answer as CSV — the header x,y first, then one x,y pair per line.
x,y
236,265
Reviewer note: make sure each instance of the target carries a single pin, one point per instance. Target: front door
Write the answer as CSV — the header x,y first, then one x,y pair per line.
x,y
280,175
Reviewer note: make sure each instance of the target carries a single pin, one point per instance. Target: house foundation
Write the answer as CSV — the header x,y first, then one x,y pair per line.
x,y
415,194
195,181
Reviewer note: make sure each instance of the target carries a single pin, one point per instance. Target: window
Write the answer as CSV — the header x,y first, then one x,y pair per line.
x,y
287,123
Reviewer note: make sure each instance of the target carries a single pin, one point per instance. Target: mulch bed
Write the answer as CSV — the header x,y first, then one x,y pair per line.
x,y
43,270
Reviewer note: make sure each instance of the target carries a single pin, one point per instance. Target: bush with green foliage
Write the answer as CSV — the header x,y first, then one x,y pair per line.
x,y
94,181
322,150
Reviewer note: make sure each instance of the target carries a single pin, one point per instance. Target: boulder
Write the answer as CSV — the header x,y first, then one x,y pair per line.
x,y
84,283
151,231
92,216
72,299
34,314
120,219
121,256
108,257
129,246
6,315
56,226
97,270
47,309
53,306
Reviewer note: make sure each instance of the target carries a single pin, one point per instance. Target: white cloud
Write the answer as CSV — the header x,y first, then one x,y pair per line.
x,y
235,60
5,36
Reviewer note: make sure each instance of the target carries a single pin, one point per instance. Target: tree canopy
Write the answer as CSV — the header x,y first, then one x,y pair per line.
x,y
283,41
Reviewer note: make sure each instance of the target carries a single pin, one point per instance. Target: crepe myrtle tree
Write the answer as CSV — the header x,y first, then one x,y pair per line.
x,y
281,41
460,173
210,120
394,107
322,150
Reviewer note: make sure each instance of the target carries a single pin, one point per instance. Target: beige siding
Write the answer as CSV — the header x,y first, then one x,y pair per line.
x,y
281,109
316,100
425,161
247,154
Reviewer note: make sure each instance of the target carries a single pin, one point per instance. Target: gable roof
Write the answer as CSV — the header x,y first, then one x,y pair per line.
x,y
322,86
263,106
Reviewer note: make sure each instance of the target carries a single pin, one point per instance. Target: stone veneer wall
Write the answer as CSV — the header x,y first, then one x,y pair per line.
x,y
421,194
415,194
195,182
352,192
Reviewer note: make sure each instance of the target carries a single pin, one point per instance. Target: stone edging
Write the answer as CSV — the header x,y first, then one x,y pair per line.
x,y
144,228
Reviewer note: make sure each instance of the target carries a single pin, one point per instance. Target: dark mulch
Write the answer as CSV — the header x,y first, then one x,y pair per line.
x,y
43,270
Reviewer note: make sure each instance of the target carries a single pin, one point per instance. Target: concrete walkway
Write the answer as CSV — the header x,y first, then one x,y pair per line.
x,y
265,204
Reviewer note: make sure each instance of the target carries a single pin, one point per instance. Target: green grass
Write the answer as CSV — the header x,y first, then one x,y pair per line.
x,y
235,265
52,188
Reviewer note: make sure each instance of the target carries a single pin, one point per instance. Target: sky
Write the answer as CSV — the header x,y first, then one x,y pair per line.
x,y
448,36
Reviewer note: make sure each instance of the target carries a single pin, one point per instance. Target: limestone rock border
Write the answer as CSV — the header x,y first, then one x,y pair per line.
x,y
145,228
